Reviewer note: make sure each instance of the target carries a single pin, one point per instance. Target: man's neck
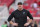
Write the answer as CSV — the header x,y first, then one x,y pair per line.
x,y
20,9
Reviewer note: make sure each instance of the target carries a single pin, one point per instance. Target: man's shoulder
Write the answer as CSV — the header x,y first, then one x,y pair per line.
x,y
14,11
25,10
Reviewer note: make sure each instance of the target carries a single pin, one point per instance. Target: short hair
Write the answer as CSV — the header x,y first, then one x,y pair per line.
x,y
5,22
20,3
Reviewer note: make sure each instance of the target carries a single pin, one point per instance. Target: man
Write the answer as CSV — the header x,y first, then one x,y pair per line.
x,y
20,16
35,5
5,24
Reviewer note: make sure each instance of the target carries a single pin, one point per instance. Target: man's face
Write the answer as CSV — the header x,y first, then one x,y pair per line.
x,y
20,6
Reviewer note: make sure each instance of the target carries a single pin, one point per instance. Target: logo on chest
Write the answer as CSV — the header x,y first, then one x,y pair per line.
x,y
23,12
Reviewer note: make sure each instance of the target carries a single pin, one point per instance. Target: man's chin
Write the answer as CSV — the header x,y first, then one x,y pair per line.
x,y
20,8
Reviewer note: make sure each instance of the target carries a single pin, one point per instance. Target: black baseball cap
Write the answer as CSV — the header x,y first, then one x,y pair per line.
x,y
19,3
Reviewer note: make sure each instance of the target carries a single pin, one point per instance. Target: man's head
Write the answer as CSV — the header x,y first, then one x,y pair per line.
x,y
5,22
20,5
